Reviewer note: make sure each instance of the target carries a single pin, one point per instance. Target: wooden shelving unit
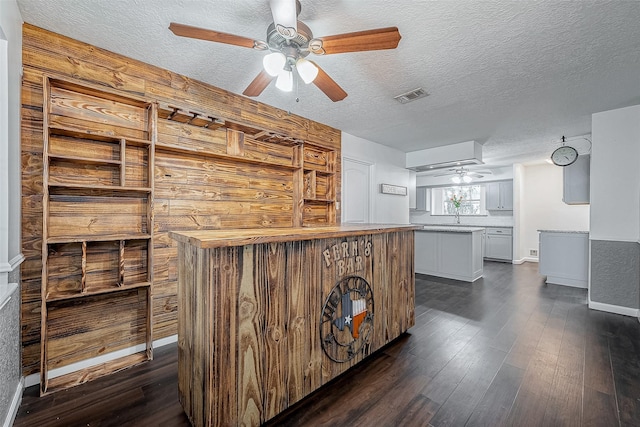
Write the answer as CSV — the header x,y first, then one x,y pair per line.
x,y
97,229
319,185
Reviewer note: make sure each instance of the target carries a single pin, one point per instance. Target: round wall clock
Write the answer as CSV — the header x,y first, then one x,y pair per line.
x,y
564,156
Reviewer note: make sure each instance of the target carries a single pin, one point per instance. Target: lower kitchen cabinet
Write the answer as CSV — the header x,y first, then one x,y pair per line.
x,y
564,257
498,244
450,252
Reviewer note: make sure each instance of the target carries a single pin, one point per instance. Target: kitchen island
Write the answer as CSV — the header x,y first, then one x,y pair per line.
x,y
267,316
450,252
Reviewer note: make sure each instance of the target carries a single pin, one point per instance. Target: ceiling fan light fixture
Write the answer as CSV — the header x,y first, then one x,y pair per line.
x,y
285,81
274,63
456,179
307,70
467,179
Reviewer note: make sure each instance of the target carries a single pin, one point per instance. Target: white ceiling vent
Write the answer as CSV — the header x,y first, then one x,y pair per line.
x,y
412,95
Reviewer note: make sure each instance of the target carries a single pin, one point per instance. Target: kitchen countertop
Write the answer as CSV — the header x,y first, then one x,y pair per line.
x,y
465,225
564,231
451,229
249,236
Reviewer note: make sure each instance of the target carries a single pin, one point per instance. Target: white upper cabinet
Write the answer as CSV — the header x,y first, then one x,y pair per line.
x,y
499,196
576,181
412,190
423,199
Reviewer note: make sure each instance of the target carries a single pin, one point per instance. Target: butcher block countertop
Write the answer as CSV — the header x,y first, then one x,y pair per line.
x,y
250,236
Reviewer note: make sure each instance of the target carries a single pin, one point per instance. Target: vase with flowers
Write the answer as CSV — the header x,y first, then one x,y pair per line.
x,y
457,201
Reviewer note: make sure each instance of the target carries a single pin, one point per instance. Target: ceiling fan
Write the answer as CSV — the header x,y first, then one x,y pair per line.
x,y
290,41
464,175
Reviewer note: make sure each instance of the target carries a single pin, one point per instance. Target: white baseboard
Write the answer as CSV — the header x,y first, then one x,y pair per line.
x,y
575,283
616,309
525,259
34,379
15,404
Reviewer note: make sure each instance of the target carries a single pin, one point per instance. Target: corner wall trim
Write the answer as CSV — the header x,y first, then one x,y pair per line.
x,y
616,309
34,379
15,404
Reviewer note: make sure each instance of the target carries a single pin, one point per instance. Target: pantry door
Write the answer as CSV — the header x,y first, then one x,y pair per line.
x,y
356,190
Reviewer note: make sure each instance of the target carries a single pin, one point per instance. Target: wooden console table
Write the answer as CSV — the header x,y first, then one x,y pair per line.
x,y
267,316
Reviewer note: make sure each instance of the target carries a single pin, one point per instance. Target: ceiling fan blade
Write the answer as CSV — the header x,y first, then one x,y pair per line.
x,y
327,85
285,17
378,39
258,84
215,36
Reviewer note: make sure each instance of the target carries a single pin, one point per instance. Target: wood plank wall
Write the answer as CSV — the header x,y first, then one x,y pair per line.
x,y
190,191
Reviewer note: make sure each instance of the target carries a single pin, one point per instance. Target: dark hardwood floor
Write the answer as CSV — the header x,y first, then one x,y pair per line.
x,y
505,350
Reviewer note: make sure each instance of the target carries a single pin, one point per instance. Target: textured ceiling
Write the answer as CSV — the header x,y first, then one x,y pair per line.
x,y
512,75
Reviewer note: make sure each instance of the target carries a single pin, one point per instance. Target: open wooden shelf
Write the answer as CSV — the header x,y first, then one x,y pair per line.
x,y
217,155
115,188
82,376
319,191
97,224
98,238
60,296
84,160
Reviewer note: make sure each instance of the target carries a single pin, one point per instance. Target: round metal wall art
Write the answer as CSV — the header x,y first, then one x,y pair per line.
x,y
346,321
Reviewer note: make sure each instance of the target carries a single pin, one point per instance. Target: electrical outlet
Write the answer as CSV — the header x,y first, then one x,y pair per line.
x,y
533,252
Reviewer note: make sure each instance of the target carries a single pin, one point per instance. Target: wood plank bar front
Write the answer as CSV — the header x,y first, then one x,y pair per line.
x,y
268,316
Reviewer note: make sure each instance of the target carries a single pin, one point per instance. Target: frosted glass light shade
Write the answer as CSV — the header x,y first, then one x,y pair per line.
x,y
285,81
467,179
456,179
307,70
273,63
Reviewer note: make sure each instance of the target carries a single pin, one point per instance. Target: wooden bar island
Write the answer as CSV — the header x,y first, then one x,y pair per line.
x,y
267,316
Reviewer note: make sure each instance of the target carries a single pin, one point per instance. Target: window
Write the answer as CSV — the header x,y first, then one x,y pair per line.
x,y
473,200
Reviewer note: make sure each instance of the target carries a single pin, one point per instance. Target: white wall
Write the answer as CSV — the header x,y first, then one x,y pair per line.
x,y
10,256
10,83
388,167
541,207
614,281
615,175
518,188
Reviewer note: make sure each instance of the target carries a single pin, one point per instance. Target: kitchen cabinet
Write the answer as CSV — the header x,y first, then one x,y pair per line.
x,y
412,189
564,257
576,181
450,252
423,199
498,243
499,196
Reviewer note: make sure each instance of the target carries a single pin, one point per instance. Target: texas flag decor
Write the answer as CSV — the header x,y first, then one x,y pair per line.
x,y
347,319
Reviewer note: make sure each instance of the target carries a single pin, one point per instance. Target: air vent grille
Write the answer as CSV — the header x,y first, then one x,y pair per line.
x,y
412,95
